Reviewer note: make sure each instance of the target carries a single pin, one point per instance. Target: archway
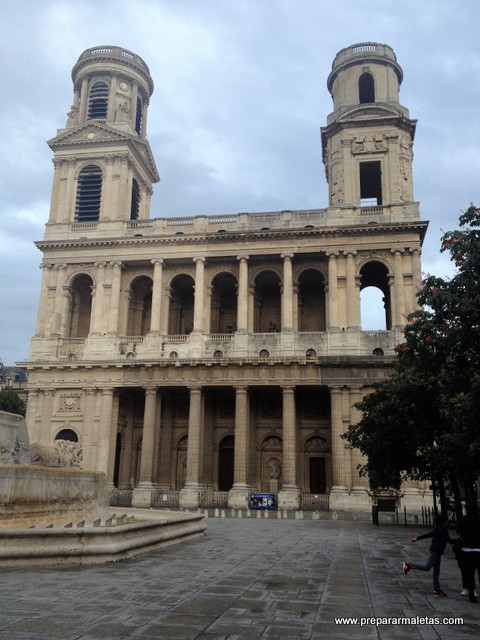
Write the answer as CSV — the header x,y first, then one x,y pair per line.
x,y
226,455
376,312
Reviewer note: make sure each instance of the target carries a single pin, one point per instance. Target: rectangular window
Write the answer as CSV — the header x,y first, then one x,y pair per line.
x,y
370,184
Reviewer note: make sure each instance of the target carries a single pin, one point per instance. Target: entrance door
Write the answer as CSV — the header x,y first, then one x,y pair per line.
x,y
318,477
226,464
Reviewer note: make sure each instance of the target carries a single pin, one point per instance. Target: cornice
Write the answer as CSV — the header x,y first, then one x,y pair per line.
x,y
239,236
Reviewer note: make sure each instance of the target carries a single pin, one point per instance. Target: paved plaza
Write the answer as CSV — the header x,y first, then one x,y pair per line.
x,y
247,578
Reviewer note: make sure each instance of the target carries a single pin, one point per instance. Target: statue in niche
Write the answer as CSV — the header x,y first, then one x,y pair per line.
x,y
274,470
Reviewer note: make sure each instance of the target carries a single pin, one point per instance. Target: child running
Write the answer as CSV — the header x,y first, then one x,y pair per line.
x,y
440,538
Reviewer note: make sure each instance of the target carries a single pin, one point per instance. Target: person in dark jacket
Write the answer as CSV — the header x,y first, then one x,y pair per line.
x,y
468,528
440,539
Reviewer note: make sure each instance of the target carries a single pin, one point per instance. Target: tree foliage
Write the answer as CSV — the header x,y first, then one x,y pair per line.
x,y
10,401
423,421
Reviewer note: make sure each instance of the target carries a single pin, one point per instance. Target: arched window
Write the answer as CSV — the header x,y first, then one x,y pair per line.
x,y
98,101
366,88
135,205
267,316
311,301
375,304
139,116
80,306
140,308
67,434
180,320
89,194
224,304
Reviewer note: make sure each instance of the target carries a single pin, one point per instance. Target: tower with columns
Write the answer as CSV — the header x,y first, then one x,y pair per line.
x,y
200,359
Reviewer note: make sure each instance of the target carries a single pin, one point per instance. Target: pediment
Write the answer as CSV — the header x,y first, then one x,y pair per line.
x,y
90,132
370,112
93,133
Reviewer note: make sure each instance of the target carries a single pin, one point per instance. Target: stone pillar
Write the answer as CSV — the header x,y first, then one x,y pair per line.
x,y
190,494
242,297
112,98
89,435
399,289
82,115
105,433
142,495
56,312
156,294
66,310
333,322
98,310
47,413
54,203
353,320
287,293
289,495
123,202
43,304
338,445
115,297
67,207
199,294
238,497
360,484
107,189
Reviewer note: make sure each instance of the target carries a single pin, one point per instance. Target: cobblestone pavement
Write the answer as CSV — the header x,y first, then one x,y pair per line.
x,y
246,579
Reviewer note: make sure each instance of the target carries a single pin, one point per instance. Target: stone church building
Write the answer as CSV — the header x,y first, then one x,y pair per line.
x,y
200,359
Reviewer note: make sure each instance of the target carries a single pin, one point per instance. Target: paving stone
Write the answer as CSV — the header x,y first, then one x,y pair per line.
x,y
246,579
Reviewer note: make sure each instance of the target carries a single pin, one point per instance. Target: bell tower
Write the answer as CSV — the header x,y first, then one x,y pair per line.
x,y
368,141
104,168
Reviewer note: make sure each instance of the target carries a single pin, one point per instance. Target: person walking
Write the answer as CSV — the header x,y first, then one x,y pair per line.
x,y
468,528
440,539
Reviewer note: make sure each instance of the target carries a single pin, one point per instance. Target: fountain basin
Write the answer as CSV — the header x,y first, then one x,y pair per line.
x,y
88,545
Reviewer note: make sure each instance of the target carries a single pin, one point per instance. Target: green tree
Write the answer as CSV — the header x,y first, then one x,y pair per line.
x,y
423,422
10,401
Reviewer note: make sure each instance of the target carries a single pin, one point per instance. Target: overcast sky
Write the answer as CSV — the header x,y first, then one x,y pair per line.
x,y
240,95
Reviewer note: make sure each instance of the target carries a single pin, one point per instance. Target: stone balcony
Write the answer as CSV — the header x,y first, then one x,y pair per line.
x,y
224,348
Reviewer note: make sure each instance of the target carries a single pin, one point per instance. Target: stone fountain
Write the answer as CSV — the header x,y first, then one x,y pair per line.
x,y
53,512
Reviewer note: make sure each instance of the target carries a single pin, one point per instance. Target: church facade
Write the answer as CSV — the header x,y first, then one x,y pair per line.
x,y
200,359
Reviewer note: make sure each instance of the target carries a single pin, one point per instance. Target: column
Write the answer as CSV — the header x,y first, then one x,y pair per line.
x,y
289,495
58,300
47,412
107,186
105,432
359,483
97,311
338,445
190,494
156,294
400,311
57,164
287,293
332,291
112,98
90,438
199,294
142,495
66,212
83,101
238,497
122,205
42,307
115,297
66,311
353,320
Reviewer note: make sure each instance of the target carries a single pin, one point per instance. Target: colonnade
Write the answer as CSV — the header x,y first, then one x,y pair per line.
x,y
109,308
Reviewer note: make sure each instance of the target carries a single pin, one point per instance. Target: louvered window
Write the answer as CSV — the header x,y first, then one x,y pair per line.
x,y
135,200
138,117
89,194
98,102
